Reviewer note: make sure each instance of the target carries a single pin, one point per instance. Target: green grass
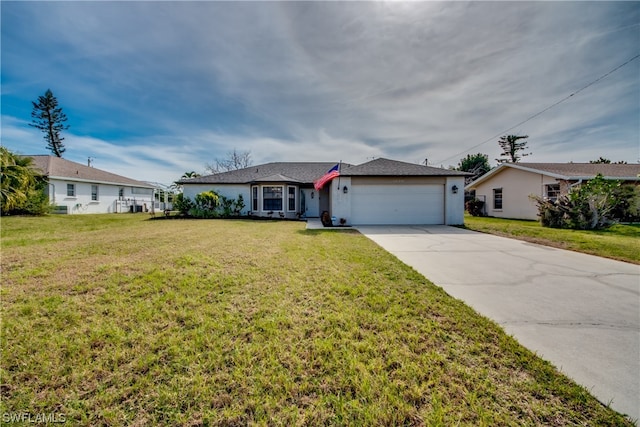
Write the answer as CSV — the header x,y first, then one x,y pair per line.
x,y
621,242
118,320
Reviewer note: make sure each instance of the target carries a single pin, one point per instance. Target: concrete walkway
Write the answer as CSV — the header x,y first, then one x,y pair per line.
x,y
580,312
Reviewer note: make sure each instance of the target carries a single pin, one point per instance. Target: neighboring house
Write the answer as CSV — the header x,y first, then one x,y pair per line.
x,y
74,188
506,189
381,191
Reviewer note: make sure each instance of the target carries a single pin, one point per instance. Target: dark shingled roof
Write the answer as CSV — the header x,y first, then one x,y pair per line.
x,y
386,167
307,172
294,172
56,167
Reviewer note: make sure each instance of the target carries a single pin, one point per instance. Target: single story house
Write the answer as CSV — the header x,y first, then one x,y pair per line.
x,y
506,189
381,191
74,188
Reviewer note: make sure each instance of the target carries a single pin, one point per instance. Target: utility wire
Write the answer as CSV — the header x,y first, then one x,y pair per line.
x,y
542,111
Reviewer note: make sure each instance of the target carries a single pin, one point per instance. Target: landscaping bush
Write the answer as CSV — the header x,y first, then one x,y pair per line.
x,y
475,207
595,204
182,204
210,204
627,203
239,205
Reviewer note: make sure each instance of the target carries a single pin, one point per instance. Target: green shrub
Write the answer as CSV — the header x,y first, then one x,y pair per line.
x,y
239,205
227,206
627,203
475,207
588,206
182,204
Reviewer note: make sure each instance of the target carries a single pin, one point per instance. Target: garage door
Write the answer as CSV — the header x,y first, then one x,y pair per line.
x,y
397,204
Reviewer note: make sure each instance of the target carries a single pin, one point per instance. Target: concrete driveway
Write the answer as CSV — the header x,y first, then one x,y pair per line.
x,y
580,312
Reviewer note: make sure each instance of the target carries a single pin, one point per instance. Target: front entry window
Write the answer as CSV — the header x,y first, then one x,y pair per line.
x,y
254,199
272,198
291,201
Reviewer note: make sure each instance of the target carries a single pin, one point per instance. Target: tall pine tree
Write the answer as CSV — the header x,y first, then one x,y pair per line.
x,y
49,118
510,147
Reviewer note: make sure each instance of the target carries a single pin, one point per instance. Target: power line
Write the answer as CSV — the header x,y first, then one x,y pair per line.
x,y
543,111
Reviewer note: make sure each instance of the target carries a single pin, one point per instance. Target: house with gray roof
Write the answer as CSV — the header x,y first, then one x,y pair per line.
x,y
381,191
74,188
506,188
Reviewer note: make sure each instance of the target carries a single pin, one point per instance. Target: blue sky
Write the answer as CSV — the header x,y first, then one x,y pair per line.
x,y
154,89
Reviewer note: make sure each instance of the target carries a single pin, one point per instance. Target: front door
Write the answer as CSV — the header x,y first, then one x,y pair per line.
x,y
309,203
324,200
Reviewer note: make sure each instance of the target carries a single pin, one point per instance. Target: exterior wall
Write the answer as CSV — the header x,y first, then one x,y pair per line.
x,y
517,186
109,200
454,202
233,190
341,202
230,191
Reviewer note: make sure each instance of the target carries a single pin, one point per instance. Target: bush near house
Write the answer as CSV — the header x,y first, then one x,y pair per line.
x,y
210,204
596,204
474,207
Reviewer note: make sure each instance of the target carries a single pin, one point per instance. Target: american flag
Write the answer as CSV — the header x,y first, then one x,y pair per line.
x,y
331,173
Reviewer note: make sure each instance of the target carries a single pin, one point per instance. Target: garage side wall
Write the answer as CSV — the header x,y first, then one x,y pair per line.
x,y
454,202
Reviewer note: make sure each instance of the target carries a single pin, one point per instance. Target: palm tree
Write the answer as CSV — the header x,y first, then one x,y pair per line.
x,y
192,174
18,177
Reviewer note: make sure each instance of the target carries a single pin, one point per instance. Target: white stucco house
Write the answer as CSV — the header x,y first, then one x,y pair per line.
x,y
74,188
381,191
506,189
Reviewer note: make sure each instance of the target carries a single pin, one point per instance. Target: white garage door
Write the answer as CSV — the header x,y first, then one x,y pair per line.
x,y
397,204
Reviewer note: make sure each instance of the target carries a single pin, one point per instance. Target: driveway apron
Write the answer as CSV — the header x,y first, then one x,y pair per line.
x,y
579,312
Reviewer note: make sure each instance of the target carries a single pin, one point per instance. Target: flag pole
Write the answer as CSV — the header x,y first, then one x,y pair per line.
x,y
339,173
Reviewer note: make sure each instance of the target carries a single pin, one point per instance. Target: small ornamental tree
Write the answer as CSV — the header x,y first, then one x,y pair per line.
x,y
49,118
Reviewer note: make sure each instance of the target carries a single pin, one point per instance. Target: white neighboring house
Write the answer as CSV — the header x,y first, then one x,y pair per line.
x,y
381,191
74,188
506,188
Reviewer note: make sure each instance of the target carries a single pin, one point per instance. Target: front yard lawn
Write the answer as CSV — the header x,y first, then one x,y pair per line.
x,y
118,320
621,242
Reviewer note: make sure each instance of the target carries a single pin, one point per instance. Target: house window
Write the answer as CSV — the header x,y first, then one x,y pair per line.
x,y
254,199
94,192
291,192
497,198
71,190
552,192
271,198
121,193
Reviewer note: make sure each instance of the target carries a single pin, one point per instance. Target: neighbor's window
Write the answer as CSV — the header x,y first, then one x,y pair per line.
x,y
497,198
121,193
94,192
254,199
552,191
71,190
272,198
291,191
